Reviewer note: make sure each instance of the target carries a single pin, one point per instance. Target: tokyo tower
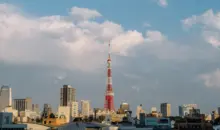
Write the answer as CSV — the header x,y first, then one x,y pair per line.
x,y
109,94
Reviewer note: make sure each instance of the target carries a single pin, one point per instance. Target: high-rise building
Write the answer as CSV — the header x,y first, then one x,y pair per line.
x,y
109,94
184,110
194,112
165,109
75,109
22,104
35,108
67,95
139,111
219,110
5,97
85,108
47,110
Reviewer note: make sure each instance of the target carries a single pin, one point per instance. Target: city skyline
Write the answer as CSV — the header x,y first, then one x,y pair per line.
x,y
157,56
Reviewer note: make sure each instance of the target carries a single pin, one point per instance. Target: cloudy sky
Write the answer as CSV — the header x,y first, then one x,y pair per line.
x,y
162,50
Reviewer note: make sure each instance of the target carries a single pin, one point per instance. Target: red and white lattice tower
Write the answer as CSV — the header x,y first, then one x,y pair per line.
x,y
109,94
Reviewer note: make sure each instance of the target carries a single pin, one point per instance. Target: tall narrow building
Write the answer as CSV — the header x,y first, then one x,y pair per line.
x,y
5,97
165,109
85,108
47,110
109,94
67,95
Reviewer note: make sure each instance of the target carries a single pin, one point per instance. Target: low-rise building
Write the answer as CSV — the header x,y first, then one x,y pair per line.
x,y
64,110
53,120
14,112
6,122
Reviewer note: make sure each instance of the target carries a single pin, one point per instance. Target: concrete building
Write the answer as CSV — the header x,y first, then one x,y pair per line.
x,y
14,112
139,111
165,109
194,112
22,104
67,95
75,109
184,110
219,110
46,110
64,111
153,110
85,108
54,121
7,124
36,108
5,97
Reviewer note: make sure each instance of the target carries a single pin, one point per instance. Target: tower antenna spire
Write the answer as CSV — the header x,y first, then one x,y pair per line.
x,y
109,94
109,49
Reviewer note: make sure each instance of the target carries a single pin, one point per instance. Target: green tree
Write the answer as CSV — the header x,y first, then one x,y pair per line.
x,y
101,118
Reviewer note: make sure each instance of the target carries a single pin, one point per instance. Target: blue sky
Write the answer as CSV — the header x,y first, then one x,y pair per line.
x,y
131,14
49,43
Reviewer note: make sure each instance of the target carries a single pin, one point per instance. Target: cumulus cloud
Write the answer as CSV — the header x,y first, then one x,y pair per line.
x,y
208,18
84,13
210,22
59,41
77,41
154,36
211,79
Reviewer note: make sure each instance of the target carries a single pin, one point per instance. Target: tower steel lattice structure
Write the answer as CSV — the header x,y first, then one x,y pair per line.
x,y
109,94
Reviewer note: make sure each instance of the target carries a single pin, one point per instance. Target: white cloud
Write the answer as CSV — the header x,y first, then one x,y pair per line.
x,y
212,37
56,40
84,13
162,3
208,19
76,41
154,36
211,79
210,22
127,40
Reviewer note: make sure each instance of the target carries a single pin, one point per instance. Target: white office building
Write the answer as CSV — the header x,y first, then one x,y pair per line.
x,y
75,109
64,111
5,97
85,108
139,111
